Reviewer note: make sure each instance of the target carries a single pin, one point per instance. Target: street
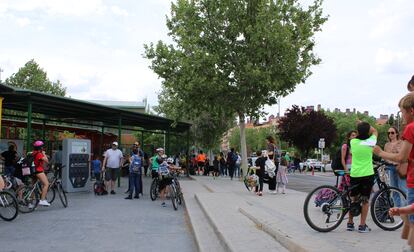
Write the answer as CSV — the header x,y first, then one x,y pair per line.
x,y
100,223
306,183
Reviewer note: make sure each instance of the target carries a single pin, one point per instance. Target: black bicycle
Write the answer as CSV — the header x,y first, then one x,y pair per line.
x,y
55,184
9,208
154,189
325,207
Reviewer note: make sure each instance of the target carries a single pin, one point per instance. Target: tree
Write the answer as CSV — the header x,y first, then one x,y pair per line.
x,y
31,76
234,56
391,120
303,128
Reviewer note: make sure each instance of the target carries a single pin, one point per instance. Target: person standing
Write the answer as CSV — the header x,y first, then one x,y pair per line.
x,y
237,166
223,166
112,163
260,170
394,145
273,154
9,157
96,167
40,160
231,162
201,161
135,171
281,178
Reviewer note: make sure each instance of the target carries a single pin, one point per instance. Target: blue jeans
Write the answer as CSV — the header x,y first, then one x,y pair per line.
x,y
410,200
237,170
134,182
398,182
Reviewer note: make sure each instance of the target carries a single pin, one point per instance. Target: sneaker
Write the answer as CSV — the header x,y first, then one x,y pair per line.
x,y
44,203
112,192
163,204
273,192
129,197
260,194
363,229
136,196
350,227
30,206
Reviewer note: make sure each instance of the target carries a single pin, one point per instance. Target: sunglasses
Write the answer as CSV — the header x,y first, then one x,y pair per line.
x,y
391,133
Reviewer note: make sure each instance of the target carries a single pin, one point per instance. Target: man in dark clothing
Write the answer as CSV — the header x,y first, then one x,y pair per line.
x,y
231,162
260,171
9,157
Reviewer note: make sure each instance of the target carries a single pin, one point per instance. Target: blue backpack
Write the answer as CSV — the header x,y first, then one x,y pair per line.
x,y
136,164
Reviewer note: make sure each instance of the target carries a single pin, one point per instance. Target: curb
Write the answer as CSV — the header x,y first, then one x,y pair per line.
x,y
223,241
284,239
191,226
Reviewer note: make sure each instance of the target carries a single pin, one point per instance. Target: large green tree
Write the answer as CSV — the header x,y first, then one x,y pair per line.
x,y
235,56
31,76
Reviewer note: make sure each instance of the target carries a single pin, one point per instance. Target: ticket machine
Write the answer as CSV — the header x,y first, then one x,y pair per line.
x,y
76,165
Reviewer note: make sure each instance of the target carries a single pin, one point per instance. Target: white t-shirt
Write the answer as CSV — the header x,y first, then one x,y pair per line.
x,y
113,158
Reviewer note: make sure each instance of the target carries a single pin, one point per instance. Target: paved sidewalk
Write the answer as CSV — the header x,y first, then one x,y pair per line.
x,y
281,216
100,223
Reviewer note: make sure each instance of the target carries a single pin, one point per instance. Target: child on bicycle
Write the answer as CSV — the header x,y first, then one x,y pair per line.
x,y
165,179
362,172
405,155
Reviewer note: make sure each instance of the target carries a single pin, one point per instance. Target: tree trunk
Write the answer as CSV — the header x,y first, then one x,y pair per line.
x,y
243,144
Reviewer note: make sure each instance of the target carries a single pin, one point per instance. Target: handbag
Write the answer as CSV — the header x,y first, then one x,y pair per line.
x,y
270,167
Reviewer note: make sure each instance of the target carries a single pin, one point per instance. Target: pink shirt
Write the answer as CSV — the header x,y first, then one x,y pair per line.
x,y
348,159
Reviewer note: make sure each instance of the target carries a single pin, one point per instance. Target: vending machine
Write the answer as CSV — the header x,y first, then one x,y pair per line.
x,y
76,165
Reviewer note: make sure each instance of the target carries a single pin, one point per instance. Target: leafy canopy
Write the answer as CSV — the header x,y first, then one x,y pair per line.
x,y
303,128
251,51
32,77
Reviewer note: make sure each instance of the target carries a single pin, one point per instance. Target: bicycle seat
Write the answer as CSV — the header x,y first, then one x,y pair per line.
x,y
340,172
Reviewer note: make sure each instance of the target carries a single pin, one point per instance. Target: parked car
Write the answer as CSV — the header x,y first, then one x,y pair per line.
x,y
311,163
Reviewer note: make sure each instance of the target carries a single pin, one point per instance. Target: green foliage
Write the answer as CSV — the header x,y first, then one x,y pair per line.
x,y
233,57
32,77
255,138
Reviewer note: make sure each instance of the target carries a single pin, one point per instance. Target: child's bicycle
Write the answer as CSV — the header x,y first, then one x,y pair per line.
x,y
250,180
326,206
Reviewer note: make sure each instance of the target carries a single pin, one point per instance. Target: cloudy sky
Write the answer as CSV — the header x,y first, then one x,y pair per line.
x,y
95,48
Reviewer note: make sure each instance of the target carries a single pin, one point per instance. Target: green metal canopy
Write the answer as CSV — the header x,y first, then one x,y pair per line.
x,y
72,110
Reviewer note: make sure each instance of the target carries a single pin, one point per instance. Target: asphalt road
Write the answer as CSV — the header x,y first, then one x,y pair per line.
x,y
100,223
306,183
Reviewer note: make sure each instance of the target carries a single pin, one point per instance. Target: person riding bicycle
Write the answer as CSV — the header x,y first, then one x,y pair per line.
x,y
40,160
165,179
362,172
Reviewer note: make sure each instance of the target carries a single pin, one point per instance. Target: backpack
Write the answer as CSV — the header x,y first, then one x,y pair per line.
x,y
337,160
28,166
136,164
99,188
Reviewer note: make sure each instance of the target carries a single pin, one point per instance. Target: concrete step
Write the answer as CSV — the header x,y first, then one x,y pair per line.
x,y
237,232
204,234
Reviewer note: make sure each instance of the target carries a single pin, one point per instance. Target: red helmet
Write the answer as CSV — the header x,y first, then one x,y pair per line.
x,y
38,143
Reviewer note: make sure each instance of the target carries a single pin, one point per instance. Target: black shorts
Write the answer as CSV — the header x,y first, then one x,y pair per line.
x,y
110,173
363,186
164,182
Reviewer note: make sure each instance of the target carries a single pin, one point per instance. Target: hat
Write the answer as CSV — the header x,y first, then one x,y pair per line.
x,y
159,149
115,143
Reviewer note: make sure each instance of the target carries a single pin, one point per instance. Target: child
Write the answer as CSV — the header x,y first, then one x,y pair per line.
x,y
135,172
405,155
281,177
96,167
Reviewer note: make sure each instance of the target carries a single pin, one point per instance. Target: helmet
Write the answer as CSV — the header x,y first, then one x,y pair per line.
x,y
159,149
38,143
170,160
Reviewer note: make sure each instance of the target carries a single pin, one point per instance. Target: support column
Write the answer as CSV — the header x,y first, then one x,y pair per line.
x,y
44,130
29,127
188,153
119,144
168,150
101,141
142,140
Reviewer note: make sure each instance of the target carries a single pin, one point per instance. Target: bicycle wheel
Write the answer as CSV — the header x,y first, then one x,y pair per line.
x,y
154,189
173,196
8,206
27,198
51,194
381,203
62,195
324,208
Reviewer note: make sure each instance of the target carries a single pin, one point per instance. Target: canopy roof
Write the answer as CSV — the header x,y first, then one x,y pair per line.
x,y
72,110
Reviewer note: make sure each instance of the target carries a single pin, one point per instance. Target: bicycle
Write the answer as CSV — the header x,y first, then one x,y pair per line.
x,y
154,189
9,208
56,184
177,185
325,207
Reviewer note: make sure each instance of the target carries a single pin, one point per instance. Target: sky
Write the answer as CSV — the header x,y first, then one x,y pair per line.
x,y
95,49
